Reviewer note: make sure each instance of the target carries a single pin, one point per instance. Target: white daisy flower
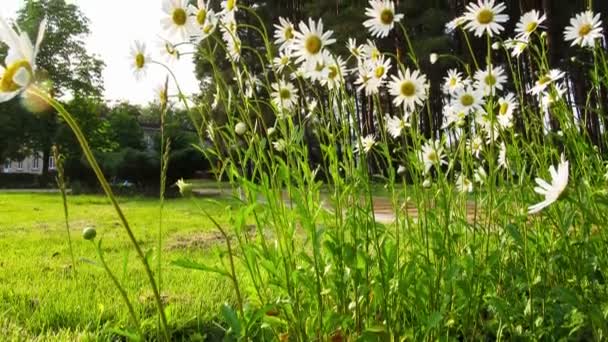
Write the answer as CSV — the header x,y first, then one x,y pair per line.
x,y
229,7
454,24
409,89
528,24
502,157
550,97
380,68
168,50
506,106
468,99
178,21
200,12
452,82
517,46
317,69
140,59
382,17
354,49
366,80
284,34
475,146
310,41
490,80
282,61
432,155
395,125
545,81
480,175
336,70
551,191
485,17
280,145
453,116
584,29
284,95
209,26
240,128
401,170
366,144
371,51
20,63
233,45
463,184
488,126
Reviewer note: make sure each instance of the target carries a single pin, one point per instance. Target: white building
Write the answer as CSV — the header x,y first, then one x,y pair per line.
x,y
31,165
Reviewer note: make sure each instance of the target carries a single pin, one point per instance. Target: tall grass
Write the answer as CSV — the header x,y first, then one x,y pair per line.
x,y
462,258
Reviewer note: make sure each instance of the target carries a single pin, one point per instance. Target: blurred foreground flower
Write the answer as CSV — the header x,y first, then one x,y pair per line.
x,y
18,71
551,191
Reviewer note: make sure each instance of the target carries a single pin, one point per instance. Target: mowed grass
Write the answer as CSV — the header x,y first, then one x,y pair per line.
x,y
41,297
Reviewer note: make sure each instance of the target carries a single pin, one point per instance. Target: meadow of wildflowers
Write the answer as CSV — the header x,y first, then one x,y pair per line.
x,y
497,226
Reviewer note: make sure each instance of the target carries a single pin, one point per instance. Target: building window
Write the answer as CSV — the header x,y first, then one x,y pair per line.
x,y
36,163
20,165
7,165
51,163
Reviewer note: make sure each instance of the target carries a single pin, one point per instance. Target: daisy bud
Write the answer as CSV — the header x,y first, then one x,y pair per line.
x,y
89,233
426,183
496,46
185,189
434,57
543,35
401,170
240,128
271,131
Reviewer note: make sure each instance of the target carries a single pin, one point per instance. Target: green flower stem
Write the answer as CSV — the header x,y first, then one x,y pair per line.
x,y
108,190
120,288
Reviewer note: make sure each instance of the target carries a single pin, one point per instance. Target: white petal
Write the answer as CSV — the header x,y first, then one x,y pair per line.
x,y
22,77
5,97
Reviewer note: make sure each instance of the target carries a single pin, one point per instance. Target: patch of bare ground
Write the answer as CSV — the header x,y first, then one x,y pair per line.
x,y
204,240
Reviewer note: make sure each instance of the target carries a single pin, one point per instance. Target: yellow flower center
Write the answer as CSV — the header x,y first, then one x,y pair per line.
x,y
467,100
531,27
544,80
289,33
284,60
230,4
140,60
375,54
285,94
387,16
453,82
201,16
433,157
584,30
313,44
490,80
504,107
408,88
208,28
179,16
319,67
6,83
380,71
333,72
485,16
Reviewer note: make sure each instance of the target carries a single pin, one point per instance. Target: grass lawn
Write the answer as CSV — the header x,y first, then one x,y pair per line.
x,y
41,297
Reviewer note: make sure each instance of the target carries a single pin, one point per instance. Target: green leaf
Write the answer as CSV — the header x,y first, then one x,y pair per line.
x,y
232,319
193,265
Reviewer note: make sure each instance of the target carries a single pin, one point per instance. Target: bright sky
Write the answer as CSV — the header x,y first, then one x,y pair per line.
x,y
115,24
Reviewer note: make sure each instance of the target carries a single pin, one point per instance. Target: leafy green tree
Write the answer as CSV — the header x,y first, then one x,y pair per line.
x,y
63,62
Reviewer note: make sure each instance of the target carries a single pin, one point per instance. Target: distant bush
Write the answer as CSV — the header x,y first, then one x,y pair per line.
x,y
25,180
